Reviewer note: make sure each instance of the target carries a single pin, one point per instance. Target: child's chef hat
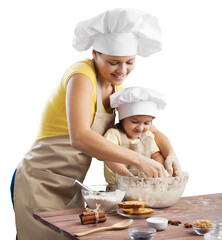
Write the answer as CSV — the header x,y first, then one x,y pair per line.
x,y
119,32
137,101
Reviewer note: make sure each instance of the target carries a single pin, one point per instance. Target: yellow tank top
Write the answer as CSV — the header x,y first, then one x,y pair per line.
x,y
54,120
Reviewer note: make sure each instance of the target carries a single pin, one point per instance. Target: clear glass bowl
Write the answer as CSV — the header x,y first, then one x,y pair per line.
x,y
201,230
142,233
108,200
156,192
216,232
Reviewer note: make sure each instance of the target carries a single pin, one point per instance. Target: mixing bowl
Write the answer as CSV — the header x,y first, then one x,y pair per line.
x,y
156,192
108,200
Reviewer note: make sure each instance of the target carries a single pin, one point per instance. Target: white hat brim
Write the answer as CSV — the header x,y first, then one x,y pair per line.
x,y
137,108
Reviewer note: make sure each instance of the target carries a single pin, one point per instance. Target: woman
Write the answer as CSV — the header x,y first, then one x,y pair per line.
x,y
78,113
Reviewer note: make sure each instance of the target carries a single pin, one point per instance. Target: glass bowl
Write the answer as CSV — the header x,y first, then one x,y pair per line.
x,y
216,232
145,233
108,200
156,192
201,230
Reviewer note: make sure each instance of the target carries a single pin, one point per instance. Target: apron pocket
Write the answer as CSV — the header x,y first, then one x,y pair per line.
x,y
50,190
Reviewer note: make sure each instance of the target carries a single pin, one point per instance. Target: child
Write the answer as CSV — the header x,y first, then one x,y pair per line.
x,y
136,108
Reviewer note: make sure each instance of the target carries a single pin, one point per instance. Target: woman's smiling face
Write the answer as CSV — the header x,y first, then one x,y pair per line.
x,y
113,69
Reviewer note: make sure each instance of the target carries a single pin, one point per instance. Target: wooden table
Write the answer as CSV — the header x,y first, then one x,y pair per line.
x,y
187,209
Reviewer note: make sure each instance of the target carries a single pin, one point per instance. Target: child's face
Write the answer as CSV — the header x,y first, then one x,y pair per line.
x,y
134,126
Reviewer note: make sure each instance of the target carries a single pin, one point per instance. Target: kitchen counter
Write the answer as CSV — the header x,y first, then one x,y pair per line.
x,y
186,210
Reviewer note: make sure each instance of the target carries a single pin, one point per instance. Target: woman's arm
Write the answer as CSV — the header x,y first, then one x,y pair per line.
x,y
113,135
171,163
119,168
83,138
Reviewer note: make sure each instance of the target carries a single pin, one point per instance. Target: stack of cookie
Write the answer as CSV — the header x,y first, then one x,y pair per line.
x,y
135,207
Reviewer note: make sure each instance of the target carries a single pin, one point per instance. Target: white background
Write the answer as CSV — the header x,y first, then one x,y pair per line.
x,y
36,49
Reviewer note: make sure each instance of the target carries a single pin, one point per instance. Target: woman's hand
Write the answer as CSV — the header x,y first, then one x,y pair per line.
x,y
119,168
152,168
172,165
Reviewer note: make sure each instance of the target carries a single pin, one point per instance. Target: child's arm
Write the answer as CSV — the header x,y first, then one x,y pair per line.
x,y
155,151
118,168
172,163
157,156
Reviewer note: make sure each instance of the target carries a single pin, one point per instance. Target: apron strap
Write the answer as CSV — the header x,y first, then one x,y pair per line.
x,y
143,136
99,107
115,112
124,139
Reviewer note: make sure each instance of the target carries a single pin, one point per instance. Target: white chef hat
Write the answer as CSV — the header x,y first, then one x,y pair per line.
x,y
119,32
137,101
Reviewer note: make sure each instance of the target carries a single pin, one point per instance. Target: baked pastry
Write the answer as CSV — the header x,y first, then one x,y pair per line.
x,y
138,211
128,211
132,204
143,211
135,207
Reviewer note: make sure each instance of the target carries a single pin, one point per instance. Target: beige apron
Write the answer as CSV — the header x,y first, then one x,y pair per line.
x,y
44,179
143,147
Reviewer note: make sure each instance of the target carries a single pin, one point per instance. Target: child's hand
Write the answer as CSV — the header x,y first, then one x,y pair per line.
x,y
172,165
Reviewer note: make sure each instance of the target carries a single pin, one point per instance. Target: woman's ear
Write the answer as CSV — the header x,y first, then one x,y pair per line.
x,y
95,54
